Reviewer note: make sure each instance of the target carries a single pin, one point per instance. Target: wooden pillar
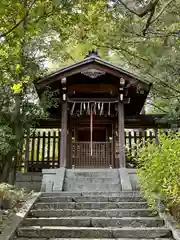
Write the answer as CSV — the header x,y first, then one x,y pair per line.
x,y
107,134
122,160
113,146
67,153
69,146
64,118
76,133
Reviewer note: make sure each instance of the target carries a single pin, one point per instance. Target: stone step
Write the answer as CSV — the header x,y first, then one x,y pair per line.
x,y
89,187
89,232
93,213
91,238
61,194
102,180
90,199
91,205
113,194
132,194
95,173
95,222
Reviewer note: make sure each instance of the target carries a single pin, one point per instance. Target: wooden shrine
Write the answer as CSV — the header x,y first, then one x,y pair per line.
x,y
97,101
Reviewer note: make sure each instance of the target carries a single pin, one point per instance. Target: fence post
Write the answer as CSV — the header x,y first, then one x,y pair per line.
x,y
156,136
26,162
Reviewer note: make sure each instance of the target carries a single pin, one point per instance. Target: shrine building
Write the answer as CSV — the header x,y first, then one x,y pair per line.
x,y
97,101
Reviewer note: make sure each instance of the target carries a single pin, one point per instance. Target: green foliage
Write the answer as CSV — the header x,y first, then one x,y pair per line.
x,y
11,199
40,36
159,170
7,140
9,192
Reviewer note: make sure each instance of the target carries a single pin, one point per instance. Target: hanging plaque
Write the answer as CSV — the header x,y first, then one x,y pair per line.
x,y
93,73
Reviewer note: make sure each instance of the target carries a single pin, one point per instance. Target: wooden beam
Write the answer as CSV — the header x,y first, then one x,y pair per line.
x,y
98,100
81,100
92,88
138,121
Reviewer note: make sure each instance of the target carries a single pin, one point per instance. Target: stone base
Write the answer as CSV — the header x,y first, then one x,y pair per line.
x,y
50,180
53,180
125,179
29,180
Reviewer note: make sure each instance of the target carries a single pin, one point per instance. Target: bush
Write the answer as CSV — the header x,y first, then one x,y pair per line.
x,y
7,139
10,196
159,170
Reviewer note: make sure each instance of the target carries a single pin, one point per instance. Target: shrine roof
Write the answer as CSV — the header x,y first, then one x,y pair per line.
x,y
91,60
96,79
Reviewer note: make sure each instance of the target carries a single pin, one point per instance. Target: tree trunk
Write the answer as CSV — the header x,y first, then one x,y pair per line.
x,y
6,168
12,172
18,129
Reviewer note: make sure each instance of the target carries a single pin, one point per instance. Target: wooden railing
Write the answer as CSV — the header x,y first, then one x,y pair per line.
x,y
42,150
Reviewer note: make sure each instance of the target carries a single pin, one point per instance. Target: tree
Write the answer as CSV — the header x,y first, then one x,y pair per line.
x,y
153,56
38,36
31,32
20,65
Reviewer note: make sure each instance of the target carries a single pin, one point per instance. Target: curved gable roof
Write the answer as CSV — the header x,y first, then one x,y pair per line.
x,y
90,62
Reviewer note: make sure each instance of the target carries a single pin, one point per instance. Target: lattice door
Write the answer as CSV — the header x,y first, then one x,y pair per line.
x,y
101,157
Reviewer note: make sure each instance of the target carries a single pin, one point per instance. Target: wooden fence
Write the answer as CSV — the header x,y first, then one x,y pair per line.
x,y
133,140
42,150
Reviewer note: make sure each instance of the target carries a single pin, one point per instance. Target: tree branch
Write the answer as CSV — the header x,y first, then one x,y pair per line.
x,y
125,50
149,8
149,21
141,11
157,81
128,8
154,105
162,10
18,23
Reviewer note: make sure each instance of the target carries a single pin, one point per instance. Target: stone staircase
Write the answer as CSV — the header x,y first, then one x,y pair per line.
x,y
82,212
101,180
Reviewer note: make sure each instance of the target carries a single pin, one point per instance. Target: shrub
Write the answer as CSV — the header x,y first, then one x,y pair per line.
x,y
7,139
159,170
10,196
